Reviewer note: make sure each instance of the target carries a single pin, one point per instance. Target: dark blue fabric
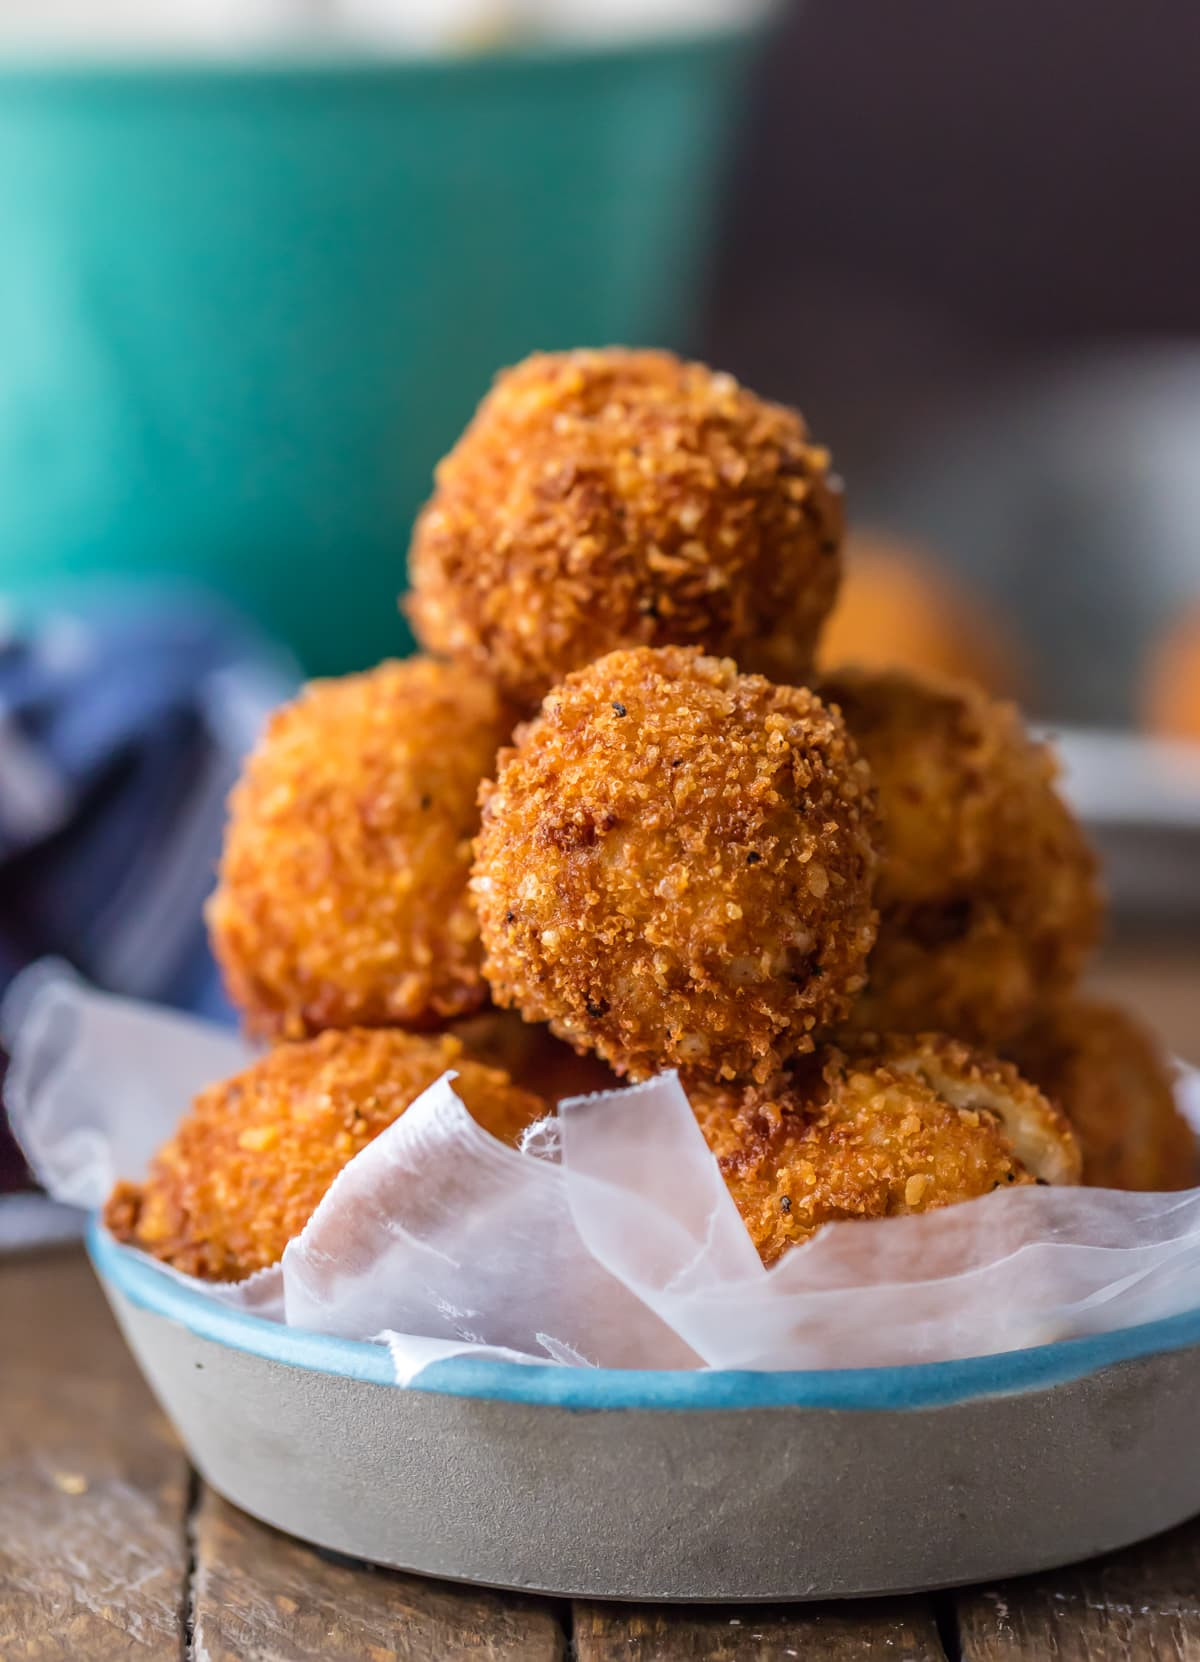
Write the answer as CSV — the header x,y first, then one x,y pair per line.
x,y
122,727
121,731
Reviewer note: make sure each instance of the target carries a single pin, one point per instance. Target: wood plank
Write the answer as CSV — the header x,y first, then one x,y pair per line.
x,y
903,1630
54,1317
259,1596
1135,1606
93,1487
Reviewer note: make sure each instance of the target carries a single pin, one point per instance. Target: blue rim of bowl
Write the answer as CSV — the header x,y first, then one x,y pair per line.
x,y
923,1385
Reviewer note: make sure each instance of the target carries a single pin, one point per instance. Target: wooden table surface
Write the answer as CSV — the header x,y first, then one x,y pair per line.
x,y
110,1547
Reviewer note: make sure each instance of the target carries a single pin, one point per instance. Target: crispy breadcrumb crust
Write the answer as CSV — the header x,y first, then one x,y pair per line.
x,y
248,1166
901,1125
532,1057
1109,1075
675,866
615,498
342,895
987,888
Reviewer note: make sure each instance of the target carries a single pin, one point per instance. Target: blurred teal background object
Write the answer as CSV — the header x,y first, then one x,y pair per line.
x,y
245,307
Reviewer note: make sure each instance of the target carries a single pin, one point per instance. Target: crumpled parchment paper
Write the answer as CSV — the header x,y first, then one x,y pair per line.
x,y
609,1240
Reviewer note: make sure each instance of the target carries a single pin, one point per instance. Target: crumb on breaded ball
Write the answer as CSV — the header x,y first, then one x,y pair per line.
x,y
614,498
675,866
342,895
901,1125
247,1167
987,888
898,609
1109,1076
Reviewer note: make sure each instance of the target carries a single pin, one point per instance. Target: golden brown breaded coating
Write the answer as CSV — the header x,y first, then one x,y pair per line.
x,y
902,1125
1109,1076
675,866
987,890
342,898
897,609
613,498
532,1057
248,1166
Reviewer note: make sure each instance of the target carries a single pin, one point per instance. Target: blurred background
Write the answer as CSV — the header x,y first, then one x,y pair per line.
x,y
260,258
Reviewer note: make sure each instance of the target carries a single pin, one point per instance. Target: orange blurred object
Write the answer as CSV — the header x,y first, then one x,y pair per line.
x,y
1171,704
897,609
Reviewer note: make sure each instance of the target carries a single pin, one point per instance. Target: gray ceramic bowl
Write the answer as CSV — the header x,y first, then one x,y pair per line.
x,y
681,1486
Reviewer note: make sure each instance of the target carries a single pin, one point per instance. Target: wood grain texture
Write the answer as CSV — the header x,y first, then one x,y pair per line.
x,y
93,1487
258,1596
901,1630
1142,1605
55,1318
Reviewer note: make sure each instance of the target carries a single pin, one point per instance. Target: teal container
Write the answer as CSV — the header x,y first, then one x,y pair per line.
x,y
244,308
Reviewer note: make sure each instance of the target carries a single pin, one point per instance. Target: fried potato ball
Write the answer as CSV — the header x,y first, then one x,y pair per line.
x,y
532,1057
897,609
675,866
1110,1078
613,498
248,1166
987,890
901,1125
1172,692
342,898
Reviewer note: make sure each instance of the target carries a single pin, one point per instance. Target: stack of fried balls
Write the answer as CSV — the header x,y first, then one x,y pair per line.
x,y
613,823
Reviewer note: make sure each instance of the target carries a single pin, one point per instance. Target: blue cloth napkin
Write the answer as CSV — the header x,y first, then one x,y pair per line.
x,y
122,728
121,731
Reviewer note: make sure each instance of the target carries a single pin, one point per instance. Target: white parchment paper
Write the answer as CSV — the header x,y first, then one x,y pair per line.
x,y
608,1240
